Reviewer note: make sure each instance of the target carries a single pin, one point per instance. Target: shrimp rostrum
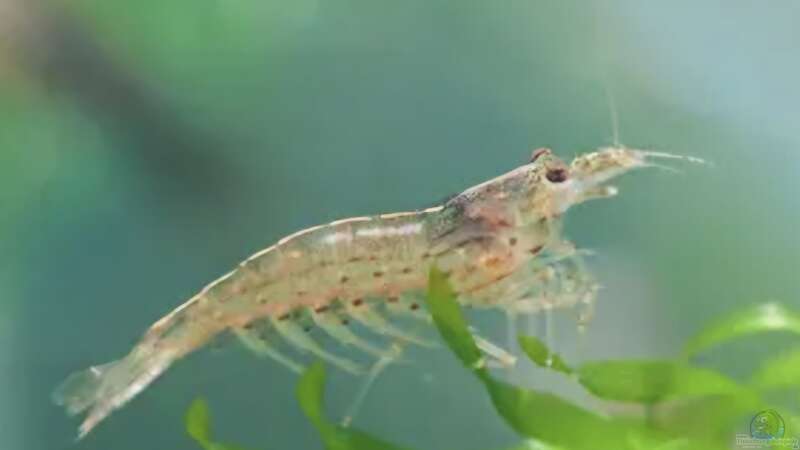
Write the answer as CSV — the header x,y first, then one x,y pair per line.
x,y
499,243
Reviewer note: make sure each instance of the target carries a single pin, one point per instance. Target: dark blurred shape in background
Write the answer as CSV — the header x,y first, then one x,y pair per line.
x,y
56,49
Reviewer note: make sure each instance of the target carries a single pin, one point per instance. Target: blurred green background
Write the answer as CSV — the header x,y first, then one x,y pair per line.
x,y
146,147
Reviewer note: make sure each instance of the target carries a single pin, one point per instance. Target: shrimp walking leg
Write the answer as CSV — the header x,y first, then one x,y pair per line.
x,y
408,306
503,358
335,326
257,345
297,336
380,365
377,323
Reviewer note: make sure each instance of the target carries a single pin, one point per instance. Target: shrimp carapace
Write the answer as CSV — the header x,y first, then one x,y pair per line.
x,y
499,243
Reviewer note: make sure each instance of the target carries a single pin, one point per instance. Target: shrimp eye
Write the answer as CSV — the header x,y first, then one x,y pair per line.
x,y
539,152
556,175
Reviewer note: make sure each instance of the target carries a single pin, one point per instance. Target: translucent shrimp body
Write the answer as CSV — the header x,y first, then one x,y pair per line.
x,y
499,242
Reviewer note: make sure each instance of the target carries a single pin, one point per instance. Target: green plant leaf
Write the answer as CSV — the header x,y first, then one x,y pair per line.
x,y
763,318
198,426
541,355
779,372
712,419
542,416
198,422
310,393
550,419
450,321
654,381
675,444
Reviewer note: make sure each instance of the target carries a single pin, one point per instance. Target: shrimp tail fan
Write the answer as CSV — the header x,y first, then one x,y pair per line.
x,y
104,388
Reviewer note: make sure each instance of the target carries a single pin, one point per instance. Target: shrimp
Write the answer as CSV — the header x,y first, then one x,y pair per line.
x,y
499,243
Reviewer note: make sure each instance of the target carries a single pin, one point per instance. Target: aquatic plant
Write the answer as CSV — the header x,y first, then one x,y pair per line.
x,y
686,406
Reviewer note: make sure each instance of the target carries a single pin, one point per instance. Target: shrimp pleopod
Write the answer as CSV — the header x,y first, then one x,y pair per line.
x,y
499,243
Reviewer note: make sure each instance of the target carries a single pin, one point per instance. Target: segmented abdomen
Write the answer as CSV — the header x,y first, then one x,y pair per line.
x,y
345,260
359,259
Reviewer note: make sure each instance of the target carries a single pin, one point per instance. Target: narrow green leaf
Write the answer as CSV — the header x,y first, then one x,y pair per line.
x,y
548,418
779,372
654,381
542,416
541,355
450,321
198,422
198,426
310,393
353,439
767,317
713,419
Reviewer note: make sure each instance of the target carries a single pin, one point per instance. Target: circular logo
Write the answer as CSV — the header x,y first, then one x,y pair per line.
x,y
767,424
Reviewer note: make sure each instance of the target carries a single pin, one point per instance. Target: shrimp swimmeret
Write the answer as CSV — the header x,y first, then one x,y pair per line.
x,y
499,242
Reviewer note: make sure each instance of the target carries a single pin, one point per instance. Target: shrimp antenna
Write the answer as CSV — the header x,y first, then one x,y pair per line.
x,y
648,156
664,167
664,155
